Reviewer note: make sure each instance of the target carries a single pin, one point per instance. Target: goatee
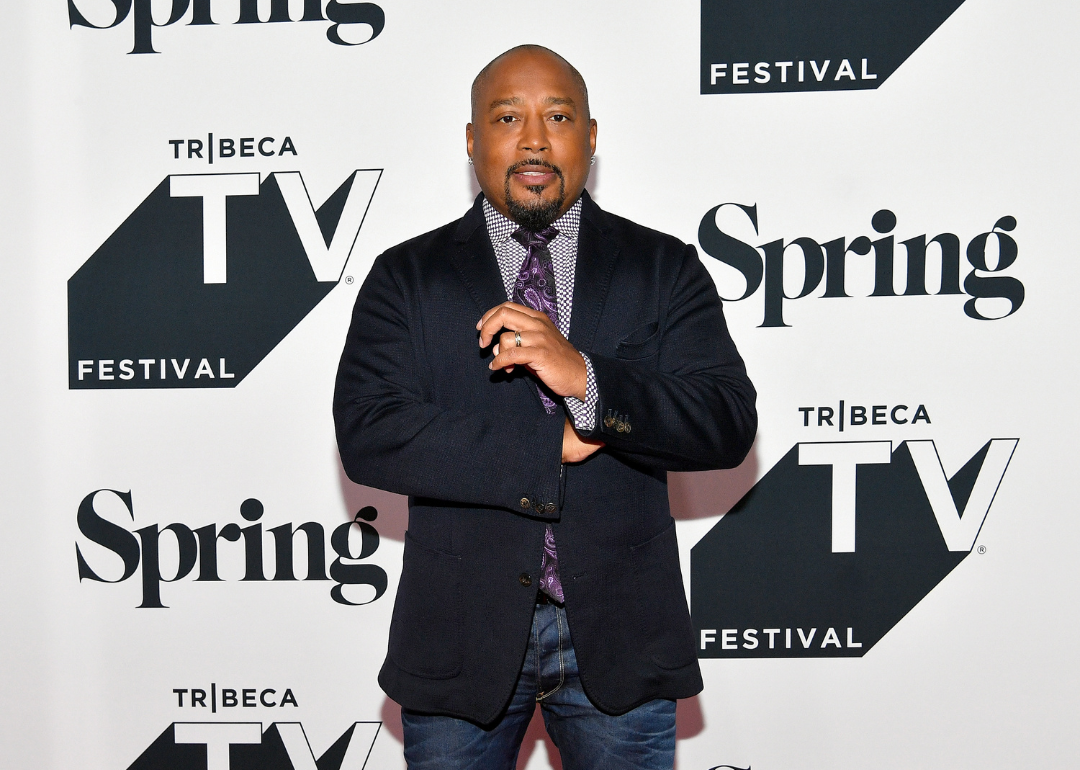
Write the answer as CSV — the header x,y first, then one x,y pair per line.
x,y
535,214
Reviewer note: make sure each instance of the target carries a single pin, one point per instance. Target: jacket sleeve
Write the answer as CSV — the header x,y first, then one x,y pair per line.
x,y
393,436
690,408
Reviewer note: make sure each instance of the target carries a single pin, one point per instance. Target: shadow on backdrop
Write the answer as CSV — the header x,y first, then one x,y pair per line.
x,y
393,509
691,496
711,493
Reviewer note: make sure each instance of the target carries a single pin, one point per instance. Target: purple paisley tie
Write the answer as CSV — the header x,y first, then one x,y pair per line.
x,y
535,287
535,284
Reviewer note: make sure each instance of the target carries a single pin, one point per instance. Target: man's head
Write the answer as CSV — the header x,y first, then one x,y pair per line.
x,y
531,137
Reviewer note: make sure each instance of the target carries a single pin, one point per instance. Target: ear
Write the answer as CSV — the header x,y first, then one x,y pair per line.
x,y
469,138
592,137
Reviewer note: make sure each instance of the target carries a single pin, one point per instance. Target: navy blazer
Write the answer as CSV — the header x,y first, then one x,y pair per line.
x,y
418,413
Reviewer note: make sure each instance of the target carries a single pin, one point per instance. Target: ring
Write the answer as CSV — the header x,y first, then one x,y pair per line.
x,y
517,339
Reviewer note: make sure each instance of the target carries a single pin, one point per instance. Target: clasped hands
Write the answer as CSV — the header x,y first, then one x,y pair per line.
x,y
545,352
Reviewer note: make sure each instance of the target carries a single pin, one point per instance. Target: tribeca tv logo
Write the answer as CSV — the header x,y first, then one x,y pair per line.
x,y
835,544
206,276
97,14
767,46
245,746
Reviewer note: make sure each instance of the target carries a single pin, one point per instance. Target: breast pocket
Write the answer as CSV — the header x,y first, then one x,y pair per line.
x,y
643,342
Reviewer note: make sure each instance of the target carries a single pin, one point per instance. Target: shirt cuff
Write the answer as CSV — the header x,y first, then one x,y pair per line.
x,y
583,413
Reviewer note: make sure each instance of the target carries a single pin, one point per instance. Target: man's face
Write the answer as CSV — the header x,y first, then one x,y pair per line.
x,y
531,141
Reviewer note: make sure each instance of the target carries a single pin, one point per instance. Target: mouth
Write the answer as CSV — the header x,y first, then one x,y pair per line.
x,y
534,173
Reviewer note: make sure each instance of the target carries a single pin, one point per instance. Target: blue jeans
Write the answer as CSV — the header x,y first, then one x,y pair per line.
x,y
587,739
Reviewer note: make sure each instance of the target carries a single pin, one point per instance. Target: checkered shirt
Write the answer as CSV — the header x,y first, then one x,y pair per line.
x,y
563,249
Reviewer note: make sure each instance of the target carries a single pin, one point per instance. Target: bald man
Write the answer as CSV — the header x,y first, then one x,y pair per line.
x,y
527,375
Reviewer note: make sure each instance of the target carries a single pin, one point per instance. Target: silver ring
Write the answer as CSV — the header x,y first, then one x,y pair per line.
x,y
517,339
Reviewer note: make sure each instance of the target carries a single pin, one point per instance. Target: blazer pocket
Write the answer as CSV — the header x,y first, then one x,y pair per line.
x,y
642,342
425,631
669,636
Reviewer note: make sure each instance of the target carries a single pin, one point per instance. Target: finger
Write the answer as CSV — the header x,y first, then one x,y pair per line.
x,y
491,323
504,358
512,356
484,318
508,305
529,339
511,317
507,318
509,340
489,313
507,369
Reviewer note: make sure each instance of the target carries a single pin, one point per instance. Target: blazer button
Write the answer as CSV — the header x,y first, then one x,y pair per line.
x,y
525,502
550,507
525,579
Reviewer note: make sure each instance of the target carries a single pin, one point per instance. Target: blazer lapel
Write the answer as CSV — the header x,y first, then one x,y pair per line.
x,y
475,261
597,254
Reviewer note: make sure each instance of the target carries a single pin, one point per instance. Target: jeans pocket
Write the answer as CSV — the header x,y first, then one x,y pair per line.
x,y
425,631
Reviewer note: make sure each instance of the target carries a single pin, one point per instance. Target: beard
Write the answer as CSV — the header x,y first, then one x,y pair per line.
x,y
535,213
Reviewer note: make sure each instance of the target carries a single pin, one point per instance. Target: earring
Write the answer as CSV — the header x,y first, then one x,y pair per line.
x,y
470,160
592,160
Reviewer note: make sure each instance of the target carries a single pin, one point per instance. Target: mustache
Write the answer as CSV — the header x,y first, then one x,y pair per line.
x,y
534,162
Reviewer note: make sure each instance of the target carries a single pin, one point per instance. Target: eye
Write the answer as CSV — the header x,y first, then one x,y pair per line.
x,y
559,118
507,119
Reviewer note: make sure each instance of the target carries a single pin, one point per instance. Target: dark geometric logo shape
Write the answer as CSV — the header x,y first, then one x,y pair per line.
x,y
244,746
834,545
206,276
760,46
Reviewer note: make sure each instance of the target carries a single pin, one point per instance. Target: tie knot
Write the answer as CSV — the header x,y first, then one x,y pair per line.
x,y
528,238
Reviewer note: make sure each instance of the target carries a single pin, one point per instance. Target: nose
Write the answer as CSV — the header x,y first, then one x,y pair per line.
x,y
534,135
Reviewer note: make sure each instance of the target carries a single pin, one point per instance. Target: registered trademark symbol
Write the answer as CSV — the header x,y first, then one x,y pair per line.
x,y
349,279
981,549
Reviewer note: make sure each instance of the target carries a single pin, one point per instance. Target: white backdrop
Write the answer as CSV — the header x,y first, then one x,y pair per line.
x,y
977,125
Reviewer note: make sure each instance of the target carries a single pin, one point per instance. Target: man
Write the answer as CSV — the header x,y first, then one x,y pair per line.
x,y
527,375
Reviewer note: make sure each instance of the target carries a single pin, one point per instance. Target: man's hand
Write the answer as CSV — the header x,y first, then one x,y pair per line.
x,y
543,350
574,447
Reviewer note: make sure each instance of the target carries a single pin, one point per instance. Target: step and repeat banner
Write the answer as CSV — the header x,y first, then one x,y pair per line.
x,y
885,194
